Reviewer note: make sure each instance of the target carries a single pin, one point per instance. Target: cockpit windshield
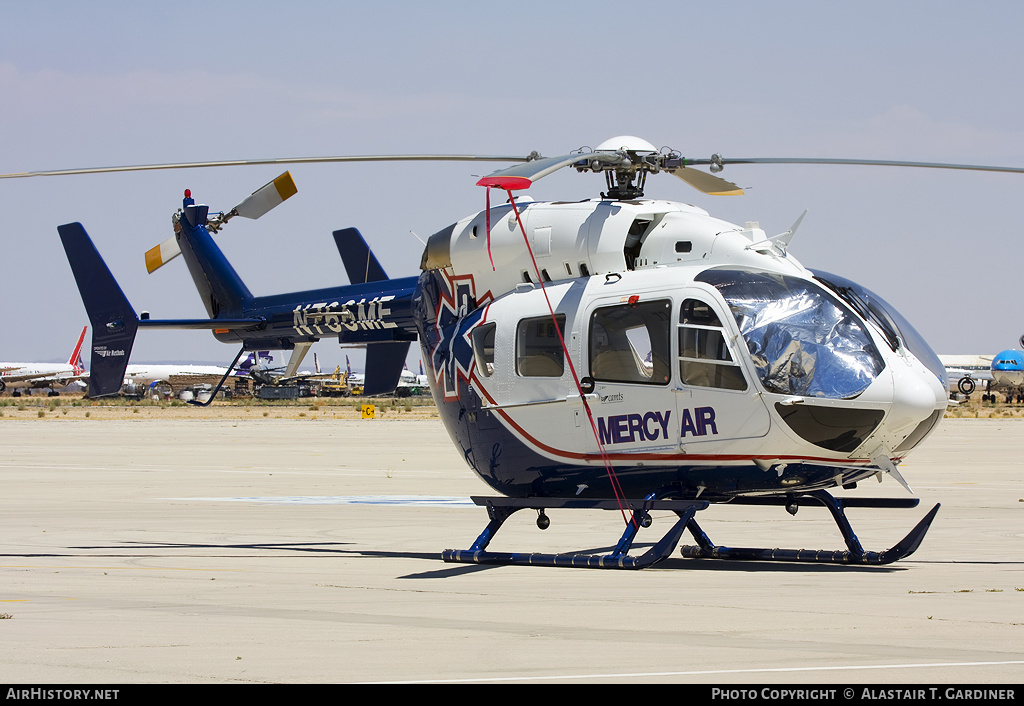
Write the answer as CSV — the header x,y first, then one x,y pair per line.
x,y
897,329
803,340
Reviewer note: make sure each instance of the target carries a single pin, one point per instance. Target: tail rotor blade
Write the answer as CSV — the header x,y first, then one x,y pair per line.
x,y
267,197
160,255
257,204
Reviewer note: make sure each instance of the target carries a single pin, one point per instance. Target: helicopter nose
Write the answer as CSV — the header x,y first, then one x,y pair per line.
x,y
914,398
919,401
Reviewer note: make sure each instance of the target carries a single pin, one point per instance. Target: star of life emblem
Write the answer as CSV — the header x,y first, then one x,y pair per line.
x,y
458,312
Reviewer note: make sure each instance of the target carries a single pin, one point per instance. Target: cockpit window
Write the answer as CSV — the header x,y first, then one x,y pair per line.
x,y
803,341
704,357
867,306
892,323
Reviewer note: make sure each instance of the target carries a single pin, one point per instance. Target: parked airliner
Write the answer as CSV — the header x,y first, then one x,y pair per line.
x,y
52,376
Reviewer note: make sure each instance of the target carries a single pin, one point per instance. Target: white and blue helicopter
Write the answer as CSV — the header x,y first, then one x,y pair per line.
x,y
617,353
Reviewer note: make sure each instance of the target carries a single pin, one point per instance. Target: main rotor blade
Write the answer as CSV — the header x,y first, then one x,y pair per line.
x,y
708,183
284,160
864,162
522,176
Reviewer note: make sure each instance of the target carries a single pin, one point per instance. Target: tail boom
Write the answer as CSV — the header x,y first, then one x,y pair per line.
x,y
114,321
375,312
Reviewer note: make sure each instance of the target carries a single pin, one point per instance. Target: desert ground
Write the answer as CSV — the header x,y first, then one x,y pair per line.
x,y
244,543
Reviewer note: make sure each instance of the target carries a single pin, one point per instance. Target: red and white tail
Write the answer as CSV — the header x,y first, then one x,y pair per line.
x,y
75,361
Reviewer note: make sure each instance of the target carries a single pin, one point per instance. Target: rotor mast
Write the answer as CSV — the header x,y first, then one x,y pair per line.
x,y
625,161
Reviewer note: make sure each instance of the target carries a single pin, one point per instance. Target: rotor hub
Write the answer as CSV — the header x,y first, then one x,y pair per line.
x,y
627,174
626,143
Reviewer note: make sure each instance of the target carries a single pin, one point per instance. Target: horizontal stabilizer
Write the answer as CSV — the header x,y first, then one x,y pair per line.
x,y
203,324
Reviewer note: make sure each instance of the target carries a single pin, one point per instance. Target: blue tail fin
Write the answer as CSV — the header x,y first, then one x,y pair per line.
x,y
384,361
384,364
360,262
113,320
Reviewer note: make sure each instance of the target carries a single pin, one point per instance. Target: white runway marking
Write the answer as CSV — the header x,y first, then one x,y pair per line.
x,y
708,672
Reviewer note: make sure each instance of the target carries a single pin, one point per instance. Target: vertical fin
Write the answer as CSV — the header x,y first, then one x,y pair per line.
x,y
113,320
384,364
75,361
360,263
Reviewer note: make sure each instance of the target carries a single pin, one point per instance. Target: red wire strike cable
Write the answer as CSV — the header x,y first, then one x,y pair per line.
x,y
489,228
613,479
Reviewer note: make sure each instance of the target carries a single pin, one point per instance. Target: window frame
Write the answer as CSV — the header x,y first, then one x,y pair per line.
x,y
478,337
539,351
708,363
661,360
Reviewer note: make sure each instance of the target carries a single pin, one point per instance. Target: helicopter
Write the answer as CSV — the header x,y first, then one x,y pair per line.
x,y
617,353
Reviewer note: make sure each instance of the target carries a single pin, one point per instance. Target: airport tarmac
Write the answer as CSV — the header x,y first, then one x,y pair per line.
x,y
307,550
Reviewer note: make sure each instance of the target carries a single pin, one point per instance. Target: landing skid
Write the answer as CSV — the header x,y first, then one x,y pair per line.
x,y
500,509
854,553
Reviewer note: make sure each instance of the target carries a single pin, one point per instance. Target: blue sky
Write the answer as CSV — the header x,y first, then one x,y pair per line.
x,y
111,83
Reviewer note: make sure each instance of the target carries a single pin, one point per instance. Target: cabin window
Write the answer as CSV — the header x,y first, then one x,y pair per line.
x,y
538,348
483,348
632,343
704,356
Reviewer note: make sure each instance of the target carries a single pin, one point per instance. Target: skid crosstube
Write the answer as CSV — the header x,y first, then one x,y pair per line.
x,y
500,509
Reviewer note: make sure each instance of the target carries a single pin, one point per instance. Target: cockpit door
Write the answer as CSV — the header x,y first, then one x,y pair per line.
x,y
716,399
